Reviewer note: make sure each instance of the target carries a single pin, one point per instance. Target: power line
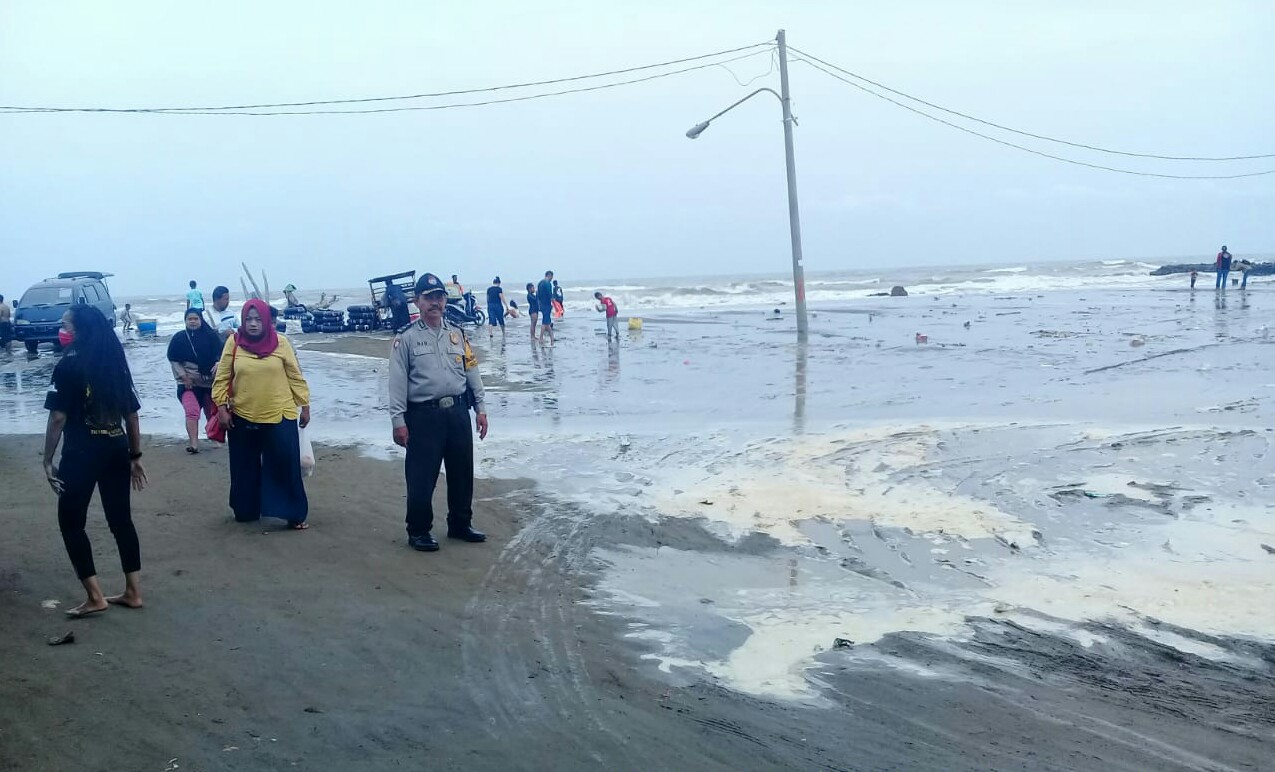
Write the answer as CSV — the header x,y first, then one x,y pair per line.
x,y
999,141
1028,133
273,106
452,106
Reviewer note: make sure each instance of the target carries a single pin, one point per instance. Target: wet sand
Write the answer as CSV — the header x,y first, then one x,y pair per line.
x,y
338,648
1039,538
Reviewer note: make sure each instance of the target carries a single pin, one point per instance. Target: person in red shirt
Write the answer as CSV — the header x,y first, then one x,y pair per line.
x,y
1223,267
607,305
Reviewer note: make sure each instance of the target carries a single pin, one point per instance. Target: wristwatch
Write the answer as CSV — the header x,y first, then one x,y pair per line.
x,y
135,456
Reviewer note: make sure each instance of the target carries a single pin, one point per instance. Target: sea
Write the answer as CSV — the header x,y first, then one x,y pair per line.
x,y
767,291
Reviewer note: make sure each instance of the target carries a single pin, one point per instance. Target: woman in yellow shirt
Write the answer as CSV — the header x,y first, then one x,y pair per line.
x,y
261,399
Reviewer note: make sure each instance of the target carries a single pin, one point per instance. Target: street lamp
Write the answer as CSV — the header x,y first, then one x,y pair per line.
x,y
794,215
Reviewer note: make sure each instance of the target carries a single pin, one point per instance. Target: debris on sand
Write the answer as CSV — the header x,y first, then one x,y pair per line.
x,y
59,640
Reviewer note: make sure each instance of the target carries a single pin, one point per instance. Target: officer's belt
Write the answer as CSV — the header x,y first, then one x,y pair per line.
x,y
436,404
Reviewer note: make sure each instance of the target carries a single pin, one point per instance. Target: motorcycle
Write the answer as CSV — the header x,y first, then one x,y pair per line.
x,y
464,311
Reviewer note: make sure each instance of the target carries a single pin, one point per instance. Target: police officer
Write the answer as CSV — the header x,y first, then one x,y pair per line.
x,y
434,381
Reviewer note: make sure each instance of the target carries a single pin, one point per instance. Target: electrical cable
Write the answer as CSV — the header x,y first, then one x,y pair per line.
x,y
434,95
998,141
1028,133
774,61
452,106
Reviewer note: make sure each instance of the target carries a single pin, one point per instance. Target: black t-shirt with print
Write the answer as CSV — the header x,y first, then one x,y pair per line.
x,y
70,393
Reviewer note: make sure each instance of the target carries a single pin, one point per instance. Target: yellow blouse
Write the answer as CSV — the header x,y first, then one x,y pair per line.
x,y
266,391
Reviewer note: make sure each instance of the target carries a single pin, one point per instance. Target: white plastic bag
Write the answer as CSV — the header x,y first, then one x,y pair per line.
x,y
307,454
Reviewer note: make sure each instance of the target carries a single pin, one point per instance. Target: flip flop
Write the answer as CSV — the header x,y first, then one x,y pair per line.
x,y
78,614
192,451
301,526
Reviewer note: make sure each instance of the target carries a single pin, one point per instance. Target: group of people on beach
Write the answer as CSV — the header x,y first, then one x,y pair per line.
x,y
241,374
240,377
545,303
1222,267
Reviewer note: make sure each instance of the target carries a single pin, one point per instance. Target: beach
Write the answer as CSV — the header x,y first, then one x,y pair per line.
x,y
1042,539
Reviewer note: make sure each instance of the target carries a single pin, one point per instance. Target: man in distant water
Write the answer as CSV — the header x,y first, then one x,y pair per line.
x,y
6,325
1223,268
1194,275
607,305
495,308
533,309
194,298
544,298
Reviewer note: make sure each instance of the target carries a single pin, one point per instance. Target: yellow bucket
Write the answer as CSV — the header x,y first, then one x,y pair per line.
x,y
635,323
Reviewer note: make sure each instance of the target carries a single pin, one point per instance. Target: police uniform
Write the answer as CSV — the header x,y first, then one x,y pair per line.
x,y
434,381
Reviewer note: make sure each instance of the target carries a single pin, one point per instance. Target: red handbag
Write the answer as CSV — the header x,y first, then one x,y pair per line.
x,y
213,429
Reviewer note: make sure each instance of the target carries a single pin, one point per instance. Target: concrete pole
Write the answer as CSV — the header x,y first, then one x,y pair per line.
x,y
794,214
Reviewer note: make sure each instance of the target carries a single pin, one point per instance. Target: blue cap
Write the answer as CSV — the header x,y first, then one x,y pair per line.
x,y
429,284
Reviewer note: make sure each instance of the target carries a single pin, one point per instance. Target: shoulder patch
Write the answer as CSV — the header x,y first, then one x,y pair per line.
x,y
404,328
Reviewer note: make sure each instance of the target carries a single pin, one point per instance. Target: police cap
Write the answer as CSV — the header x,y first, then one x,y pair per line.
x,y
429,284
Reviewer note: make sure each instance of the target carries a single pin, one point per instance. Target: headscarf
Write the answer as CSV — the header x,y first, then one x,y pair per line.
x,y
202,346
265,345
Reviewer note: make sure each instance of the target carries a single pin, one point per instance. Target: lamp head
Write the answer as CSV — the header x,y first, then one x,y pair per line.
x,y
696,130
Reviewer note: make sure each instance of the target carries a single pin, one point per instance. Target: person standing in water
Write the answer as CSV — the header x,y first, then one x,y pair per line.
x,y
495,308
607,305
1194,275
533,308
544,297
1245,269
559,302
93,408
1223,268
6,325
194,298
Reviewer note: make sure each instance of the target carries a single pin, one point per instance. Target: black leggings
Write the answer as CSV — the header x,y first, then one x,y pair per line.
x,y
109,471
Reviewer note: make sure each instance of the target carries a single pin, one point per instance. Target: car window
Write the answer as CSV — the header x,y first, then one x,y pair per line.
x,y
102,293
90,293
46,296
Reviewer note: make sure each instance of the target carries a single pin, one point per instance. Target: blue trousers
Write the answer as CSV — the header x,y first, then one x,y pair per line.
x,y
1222,273
265,471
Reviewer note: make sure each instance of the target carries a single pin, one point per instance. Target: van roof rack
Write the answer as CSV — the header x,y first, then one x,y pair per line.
x,y
84,275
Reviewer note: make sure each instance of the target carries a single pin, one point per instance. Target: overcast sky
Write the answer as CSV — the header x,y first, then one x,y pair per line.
x,y
605,184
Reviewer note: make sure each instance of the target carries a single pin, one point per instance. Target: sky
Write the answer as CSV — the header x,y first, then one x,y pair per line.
x,y
606,184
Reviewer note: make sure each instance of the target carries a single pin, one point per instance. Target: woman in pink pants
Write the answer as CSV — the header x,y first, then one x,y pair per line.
x,y
194,353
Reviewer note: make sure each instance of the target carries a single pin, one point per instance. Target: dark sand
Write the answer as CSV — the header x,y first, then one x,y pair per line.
x,y
340,649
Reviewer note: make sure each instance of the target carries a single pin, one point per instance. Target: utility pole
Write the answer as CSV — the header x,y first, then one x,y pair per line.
x,y
794,215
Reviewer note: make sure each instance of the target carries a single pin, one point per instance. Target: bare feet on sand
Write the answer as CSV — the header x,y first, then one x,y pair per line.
x,y
129,599
86,608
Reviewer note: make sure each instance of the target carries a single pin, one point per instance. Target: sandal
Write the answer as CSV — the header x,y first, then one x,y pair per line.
x,y
192,451
300,525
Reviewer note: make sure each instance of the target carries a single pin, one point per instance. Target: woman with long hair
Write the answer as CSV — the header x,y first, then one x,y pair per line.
x,y
193,354
93,413
262,398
